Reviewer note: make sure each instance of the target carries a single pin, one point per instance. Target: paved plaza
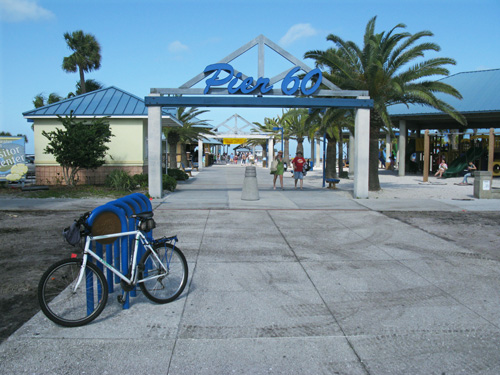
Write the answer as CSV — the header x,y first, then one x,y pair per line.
x,y
297,282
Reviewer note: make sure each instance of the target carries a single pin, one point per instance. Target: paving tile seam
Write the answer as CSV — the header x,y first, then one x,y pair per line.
x,y
186,292
349,343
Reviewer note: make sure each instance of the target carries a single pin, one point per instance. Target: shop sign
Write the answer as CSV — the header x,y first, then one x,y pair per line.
x,y
223,73
234,141
12,159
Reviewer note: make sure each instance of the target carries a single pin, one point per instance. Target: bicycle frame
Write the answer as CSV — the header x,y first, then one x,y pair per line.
x,y
139,236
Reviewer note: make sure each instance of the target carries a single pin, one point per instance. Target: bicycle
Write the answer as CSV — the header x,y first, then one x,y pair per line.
x,y
74,291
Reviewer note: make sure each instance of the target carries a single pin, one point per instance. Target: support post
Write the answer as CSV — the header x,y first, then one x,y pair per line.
x,y
403,134
200,155
491,151
362,147
352,149
426,155
388,150
270,154
313,154
154,152
318,152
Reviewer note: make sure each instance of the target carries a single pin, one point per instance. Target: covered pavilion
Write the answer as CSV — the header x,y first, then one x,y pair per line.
x,y
480,106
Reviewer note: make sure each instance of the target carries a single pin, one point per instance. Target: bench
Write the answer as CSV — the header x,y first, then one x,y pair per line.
x,y
332,182
187,170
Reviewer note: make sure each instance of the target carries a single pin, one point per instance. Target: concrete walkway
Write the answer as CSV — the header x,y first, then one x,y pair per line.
x,y
298,282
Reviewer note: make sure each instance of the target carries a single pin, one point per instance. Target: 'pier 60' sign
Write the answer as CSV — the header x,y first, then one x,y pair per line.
x,y
289,86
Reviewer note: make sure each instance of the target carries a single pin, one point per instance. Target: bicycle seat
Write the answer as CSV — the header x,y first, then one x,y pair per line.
x,y
143,215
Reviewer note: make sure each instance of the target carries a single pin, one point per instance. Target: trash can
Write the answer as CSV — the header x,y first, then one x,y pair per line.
x,y
482,184
250,191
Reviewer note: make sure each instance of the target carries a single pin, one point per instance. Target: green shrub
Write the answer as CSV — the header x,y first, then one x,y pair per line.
x,y
140,180
119,180
178,174
169,183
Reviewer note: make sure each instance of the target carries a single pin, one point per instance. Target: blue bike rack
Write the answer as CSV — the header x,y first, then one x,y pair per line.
x,y
124,208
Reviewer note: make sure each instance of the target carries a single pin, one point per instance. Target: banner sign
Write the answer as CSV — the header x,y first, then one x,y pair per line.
x,y
12,159
290,84
234,141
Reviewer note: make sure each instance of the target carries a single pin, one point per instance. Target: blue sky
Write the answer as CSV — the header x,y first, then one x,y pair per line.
x,y
164,43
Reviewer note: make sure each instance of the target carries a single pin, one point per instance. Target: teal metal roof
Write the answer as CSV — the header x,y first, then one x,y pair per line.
x,y
110,101
479,90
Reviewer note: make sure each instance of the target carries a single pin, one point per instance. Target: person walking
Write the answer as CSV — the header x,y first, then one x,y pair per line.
x,y
280,169
298,163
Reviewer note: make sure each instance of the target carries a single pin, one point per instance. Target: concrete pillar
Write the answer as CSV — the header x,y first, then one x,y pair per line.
x,y
388,150
313,154
318,153
270,153
200,155
352,149
154,152
361,152
403,135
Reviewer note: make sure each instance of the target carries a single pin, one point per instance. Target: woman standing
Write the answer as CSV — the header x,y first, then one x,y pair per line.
x,y
280,169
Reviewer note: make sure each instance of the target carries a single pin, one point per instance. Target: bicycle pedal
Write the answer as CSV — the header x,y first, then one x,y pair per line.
x,y
121,299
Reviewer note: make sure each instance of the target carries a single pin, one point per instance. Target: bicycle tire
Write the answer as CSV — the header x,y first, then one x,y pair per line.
x,y
161,286
67,308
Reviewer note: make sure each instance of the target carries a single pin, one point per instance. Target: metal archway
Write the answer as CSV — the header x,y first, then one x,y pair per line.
x,y
234,89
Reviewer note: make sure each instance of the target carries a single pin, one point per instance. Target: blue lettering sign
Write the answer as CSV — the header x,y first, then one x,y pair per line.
x,y
245,87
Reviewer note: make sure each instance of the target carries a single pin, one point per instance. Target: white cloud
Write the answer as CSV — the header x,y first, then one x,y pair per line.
x,y
298,31
177,47
23,10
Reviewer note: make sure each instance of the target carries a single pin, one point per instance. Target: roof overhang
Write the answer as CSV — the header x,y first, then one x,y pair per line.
x,y
443,121
166,120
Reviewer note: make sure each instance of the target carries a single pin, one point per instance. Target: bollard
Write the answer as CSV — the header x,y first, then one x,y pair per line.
x,y
250,190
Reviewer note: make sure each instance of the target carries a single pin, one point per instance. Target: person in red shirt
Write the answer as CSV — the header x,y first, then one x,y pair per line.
x,y
298,168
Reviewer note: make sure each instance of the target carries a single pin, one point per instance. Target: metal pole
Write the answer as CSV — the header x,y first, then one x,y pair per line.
x,y
281,139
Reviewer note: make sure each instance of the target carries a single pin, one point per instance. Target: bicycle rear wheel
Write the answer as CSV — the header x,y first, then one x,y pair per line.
x,y
163,280
65,306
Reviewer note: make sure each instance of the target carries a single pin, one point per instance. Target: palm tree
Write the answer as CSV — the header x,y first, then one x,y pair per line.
x,y
382,68
86,56
267,127
90,85
330,124
40,100
191,130
297,126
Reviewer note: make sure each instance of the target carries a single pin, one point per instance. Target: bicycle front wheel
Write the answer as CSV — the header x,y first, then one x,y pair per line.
x,y
163,274
64,305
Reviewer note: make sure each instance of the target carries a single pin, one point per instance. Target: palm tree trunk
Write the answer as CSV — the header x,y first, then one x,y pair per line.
x,y
183,155
331,158
287,151
300,145
172,155
373,180
82,80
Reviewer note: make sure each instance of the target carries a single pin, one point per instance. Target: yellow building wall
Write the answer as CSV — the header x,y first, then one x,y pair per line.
x,y
126,148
